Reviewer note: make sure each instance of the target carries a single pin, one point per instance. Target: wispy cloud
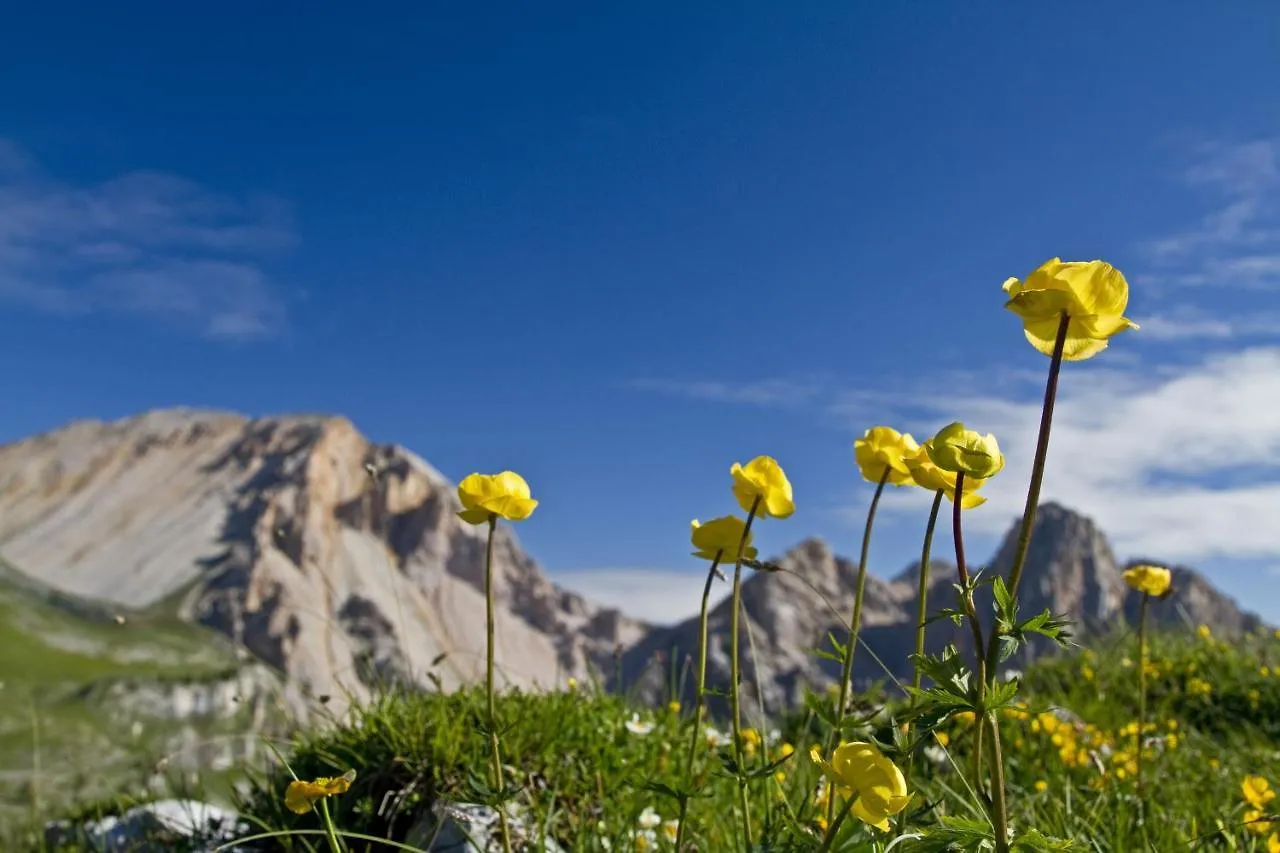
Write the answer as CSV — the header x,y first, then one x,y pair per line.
x,y
1184,464
779,392
1237,243
145,243
659,596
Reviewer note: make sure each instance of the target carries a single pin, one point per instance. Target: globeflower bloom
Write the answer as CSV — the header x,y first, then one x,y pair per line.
x,y
1093,295
487,496
1151,580
720,538
963,451
881,454
1257,791
763,478
863,772
301,795
927,475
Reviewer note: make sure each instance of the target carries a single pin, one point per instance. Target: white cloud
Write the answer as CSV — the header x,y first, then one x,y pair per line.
x,y
1236,244
779,392
145,243
659,596
1184,465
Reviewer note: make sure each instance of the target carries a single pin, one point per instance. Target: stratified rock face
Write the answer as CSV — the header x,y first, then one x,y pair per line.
x,y
274,532
786,615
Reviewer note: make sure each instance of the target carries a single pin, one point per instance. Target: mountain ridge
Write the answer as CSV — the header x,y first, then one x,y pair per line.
x,y
273,532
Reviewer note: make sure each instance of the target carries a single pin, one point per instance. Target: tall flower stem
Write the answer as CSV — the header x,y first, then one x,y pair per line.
x,y
971,616
1024,533
855,623
1142,707
922,607
1037,477
735,675
700,696
495,748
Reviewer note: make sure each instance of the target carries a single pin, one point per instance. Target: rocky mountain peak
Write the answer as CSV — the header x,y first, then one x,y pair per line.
x,y
338,561
1070,567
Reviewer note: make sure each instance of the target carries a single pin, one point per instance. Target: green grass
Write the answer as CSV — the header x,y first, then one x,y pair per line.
x,y
584,777
60,657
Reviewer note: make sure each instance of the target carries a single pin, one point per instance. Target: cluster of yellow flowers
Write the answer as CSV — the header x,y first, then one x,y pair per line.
x,y
1258,795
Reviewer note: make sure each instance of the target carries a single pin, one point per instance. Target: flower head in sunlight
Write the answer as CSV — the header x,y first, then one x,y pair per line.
x,y
487,496
763,480
721,537
862,771
301,795
1152,580
1093,294
927,475
882,452
959,450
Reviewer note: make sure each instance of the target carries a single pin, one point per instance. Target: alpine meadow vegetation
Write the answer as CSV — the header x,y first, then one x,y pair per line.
x,y
1154,740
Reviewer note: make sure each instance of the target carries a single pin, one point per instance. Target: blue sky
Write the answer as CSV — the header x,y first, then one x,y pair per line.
x,y
618,248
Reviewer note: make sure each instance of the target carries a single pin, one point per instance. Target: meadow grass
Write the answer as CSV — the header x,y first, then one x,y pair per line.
x,y
591,783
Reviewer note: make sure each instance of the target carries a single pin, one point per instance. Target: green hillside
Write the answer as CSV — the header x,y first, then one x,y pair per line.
x,y
66,667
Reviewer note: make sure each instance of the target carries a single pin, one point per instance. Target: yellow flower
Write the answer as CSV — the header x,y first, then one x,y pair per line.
x,y
883,449
1256,822
943,738
721,536
1151,580
763,478
1093,294
864,772
1257,791
932,478
673,707
1042,786
1204,632
957,449
486,496
572,683
1199,687
1273,843
301,795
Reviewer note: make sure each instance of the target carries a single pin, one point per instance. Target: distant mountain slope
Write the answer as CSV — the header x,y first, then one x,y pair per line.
x,y
273,532
1070,570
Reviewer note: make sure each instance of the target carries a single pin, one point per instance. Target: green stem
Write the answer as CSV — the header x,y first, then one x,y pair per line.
x,y
495,748
1028,519
834,825
971,615
855,623
1037,478
922,610
735,675
330,832
999,806
1142,707
700,696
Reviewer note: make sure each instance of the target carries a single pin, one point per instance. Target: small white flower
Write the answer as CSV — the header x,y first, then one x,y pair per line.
x,y
715,737
773,737
637,727
648,818
1011,674
936,754
644,840
671,829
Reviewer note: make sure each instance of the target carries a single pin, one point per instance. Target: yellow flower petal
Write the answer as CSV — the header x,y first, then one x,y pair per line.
x,y
1151,580
882,449
721,536
958,449
505,495
763,478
